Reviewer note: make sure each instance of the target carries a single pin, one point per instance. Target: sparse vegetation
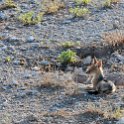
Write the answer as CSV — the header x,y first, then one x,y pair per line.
x,y
79,12
52,6
45,50
107,112
114,1
108,3
85,2
67,57
115,38
31,18
8,59
118,113
70,44
10,4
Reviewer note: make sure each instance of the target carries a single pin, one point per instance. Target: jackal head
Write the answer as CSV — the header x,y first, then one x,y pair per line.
x,y
95,67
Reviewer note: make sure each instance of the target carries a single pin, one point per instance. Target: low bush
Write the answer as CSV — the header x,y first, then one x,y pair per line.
x,y
31,18
79,12
67,57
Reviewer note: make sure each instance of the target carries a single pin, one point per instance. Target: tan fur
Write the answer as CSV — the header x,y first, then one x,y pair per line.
x,y
95,71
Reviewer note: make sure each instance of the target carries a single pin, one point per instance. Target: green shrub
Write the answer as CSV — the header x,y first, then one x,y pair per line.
x,y
10,4
79,12
108,3
69,44
30,18
85,2
118,113
8,59
67,57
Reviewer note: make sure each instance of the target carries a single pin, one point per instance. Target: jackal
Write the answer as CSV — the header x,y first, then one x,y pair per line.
x,y
96,76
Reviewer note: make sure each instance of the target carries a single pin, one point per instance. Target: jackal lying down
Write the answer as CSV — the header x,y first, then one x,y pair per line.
x,y
96,76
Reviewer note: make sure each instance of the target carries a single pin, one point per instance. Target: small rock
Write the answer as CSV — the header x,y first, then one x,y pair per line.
x,y
19,62
34,45
16,62
30,39
14,83
116,24
116,57
44,63
69,68
32,1
24,6
3,16
67,21
7,87
13,39
36,68
11,48
20,95
38,25
87,60
31,118
27,75
10,28
32,92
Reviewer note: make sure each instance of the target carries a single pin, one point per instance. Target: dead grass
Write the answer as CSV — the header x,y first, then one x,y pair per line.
x,y
115,38
60,113
106,110
115,1
52,6
90,112
60,79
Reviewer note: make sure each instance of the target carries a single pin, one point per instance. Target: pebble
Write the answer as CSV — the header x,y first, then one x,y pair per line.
x,y
87,60
13,39
36,68
32,1
16,62
32,118
116,57
32,92
30,39
38,25
27,75
20,95
44,63
3,16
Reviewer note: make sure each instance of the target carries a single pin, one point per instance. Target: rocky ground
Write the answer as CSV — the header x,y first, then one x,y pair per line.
x,y
29,94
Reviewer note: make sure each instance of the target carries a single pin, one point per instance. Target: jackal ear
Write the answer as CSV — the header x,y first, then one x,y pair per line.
x,y
94,60
99,63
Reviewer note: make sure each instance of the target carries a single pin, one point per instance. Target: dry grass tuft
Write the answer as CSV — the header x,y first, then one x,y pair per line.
x,y
50,79
52,6
106,110
115,38
115,1
59,79
60,113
